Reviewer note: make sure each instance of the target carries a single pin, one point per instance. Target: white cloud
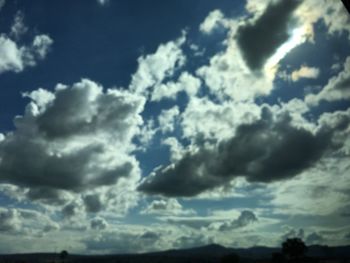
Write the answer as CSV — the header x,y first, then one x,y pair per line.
x,y
167,119
206,120
167,207
231,73
127,240
82,135
16,58
337,88
333,14
75,139
18,27
322,189
41,45
2,3
255,151
153,68
244,219
103,2
175,147
228,76
213,20
10,56
186,83
17,221
305,72
9,220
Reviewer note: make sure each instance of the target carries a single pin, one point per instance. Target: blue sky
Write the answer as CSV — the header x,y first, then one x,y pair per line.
x,y
129,127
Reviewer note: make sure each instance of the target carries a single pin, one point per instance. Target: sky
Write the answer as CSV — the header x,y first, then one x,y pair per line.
x,y
133,126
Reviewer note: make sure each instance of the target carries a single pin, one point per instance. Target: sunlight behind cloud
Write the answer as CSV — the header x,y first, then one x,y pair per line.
x,y
299,35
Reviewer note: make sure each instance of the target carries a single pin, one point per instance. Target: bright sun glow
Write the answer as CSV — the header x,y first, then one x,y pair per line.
x,y
298,36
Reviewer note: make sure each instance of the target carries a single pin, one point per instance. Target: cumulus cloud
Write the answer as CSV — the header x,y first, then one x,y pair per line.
x,y
40,47
167,119
337,88
212,21
93,203
166,207
227,76
305,72
9,220
73,139
16,57
186,83
122,242
18,27
205,120
10,55
257,151
321,194
17,221
51,227
48,196
271,31
260,39
71,210
245,218
333,14
74,147
154,68
98,223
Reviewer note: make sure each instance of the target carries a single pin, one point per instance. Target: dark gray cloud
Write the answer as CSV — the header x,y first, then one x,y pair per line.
x,y
78,110
314,239
26,162
71,210
259,40
245,218
267,150
47,195
9,220
98,223
292,233
52,226
93,203
194,240
74,139
150,235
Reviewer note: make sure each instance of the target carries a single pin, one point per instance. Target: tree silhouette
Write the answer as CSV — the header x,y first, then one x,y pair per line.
x,y
278,258
63,255
231,258
294,248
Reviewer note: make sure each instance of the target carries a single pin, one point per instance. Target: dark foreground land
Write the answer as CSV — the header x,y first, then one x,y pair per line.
x,y
206,254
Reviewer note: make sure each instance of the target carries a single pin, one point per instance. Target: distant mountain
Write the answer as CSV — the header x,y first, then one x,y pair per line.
x,y
212,250
210,254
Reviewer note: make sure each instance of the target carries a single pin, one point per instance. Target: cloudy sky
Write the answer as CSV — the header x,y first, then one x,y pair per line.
x,y
133,126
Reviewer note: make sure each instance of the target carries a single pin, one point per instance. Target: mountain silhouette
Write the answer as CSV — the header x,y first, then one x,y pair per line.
x,y
210,253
